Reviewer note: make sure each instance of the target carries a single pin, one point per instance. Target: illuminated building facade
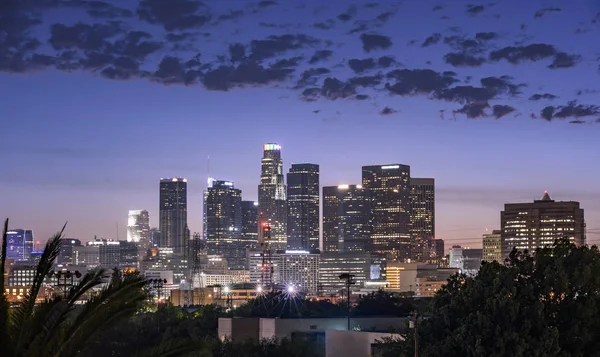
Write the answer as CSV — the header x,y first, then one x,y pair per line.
x,y
369,270
539,224
173,214
250,223
303,207
422,218
223,223
299,269
346,219
19,245
272,196
492,246
389,190
138,226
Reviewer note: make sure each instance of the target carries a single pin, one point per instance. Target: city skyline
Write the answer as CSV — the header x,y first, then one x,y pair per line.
x,y
88,156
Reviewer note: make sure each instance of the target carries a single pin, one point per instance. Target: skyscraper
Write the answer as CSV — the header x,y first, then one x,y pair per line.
x,y
223,222
539,224
422,217
250,223
492,246
173,214
389,188
346,219
19,244
138,226
303,207
272,196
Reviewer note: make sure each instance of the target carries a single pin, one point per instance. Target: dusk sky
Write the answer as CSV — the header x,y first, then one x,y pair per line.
x,y
100,99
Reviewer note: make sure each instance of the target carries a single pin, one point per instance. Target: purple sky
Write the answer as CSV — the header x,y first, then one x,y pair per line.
x,y
83,148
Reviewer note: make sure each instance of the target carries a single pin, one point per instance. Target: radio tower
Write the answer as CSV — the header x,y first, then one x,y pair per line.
x,y
266,267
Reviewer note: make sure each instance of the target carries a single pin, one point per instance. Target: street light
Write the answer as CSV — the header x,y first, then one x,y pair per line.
x,y
157,285
65,279
349,281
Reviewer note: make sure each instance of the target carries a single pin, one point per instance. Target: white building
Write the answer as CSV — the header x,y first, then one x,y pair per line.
x,y
138,226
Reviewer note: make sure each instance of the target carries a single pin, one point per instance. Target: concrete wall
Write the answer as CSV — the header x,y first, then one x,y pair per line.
x,y
351,343
239,329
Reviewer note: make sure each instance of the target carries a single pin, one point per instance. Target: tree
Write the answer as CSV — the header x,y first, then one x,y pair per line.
x,y
382,303
283,304
545,304
58,327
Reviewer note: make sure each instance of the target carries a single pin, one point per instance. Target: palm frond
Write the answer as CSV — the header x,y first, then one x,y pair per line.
x,y
21,323
5,345
174,348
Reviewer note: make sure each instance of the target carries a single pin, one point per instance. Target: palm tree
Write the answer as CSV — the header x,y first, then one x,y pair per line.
x,y
58,327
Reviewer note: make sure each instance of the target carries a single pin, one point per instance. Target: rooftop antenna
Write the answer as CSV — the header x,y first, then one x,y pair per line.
x,y
117,230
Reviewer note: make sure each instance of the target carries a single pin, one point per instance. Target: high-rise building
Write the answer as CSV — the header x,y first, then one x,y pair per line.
x,y
346,217
272,197
154,237
492,246
66,250
422,218
250,223
389,189
138,226
300,269
540,223
303,207
223,223
369,270
439,248
19,244
456,257
173,214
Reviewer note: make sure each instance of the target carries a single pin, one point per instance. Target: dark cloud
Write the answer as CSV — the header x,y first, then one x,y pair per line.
x,y
432,40
16,42
276,45
371,4
135,44
348,14
543,96
248,73
331,89
83,36
518,54
287,63
462,59
572,110
418,81
174,14
545,11
231,15
384,17
361,65
437,8
388,111
502,85
366,81
361,97
100,9
473,110
359,28
172,71
499,111
266,3
486,36
578,121
326,25
237,52
564,60
373,41
386,61
310,76
320,55
179,37
475,9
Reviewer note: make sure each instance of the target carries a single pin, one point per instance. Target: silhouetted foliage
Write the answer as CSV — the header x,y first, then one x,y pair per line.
x,y
382,303
282,304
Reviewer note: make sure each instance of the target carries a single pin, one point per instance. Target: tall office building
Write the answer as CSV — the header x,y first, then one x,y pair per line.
x,y
250,223
19,245
492,246
173,214
299,268
540,223
223,222
346,219
138,226
389,188
422,218
154,237
272,196
303,207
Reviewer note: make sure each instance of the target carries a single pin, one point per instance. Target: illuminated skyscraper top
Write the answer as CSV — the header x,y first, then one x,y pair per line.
x,y
272,196
138,226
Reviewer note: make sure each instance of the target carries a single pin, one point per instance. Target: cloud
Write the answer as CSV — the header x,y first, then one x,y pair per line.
x,y
543,96
432,40
366,81
384,17
100,9
248,73
331,89
571,110
462,59
348,14
174,14
545,11
320,55
388,111
364,65
475,9
275,45
373,42
499,111
437,8
326,25
361,97
418,81
266,3
473,110
564,60
231,15
486,36
83,36
311,76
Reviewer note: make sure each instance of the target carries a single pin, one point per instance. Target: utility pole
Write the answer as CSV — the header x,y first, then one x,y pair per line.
x,y
349,281
414,323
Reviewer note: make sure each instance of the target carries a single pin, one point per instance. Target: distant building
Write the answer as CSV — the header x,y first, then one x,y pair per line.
x,y
128,254
154,237
365,267
389,189
299,269
456,257
540,223
346,219
492,246
471,260
249,235
173,214
422,218
439,249
138,226
66,250
303,207
272,202
86,255
429,281
223,223
19,244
